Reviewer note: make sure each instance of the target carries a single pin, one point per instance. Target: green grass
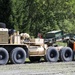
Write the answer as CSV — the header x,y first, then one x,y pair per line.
x,y
27,60
61,44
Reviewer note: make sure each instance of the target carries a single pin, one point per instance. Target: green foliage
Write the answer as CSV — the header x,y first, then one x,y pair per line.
x,y
33,16
5,12
61,44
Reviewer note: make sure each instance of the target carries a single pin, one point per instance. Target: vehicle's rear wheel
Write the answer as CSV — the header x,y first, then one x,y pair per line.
x,y
66,54
4,56
34,59
18,55
52,55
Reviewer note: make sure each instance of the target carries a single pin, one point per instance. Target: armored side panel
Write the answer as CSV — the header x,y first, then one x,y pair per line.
x,y
3,36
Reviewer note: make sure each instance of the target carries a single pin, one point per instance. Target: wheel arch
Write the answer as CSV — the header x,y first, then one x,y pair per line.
x,y
26,49
9,48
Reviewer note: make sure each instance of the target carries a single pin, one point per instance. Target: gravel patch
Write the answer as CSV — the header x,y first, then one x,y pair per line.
x,y
43,68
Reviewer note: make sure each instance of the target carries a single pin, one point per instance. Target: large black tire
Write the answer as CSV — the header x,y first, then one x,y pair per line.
x,y
4,56
52,55
34,59
18,55
66,54
2,25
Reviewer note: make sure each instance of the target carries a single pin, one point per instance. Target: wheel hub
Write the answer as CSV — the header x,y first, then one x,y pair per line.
x,y
18,56
1,57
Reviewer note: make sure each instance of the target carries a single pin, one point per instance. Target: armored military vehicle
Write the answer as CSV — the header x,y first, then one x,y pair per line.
x,y
15,49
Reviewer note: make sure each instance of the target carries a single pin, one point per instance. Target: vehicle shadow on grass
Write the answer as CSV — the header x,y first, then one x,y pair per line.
x,y
29,62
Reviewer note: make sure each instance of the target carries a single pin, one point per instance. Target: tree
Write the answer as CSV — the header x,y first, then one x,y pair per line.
x,y
5,11
34,16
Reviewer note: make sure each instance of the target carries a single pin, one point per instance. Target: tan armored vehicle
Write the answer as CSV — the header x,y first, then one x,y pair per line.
x,y
15,48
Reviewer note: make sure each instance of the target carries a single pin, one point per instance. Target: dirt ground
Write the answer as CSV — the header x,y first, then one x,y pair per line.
x,y
42,68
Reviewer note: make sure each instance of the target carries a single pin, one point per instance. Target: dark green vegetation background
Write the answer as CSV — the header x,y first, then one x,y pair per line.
x,y
33,16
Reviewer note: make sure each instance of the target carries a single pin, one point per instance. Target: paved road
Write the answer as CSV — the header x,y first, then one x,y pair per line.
x,y
43,68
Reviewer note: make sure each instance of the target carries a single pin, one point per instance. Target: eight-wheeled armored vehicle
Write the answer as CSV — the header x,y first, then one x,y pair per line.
x,y
14,48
